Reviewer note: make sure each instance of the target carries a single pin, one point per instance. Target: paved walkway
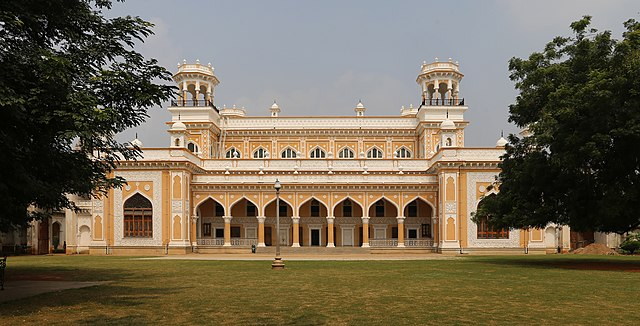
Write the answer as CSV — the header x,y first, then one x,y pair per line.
x,y
304,257
14,290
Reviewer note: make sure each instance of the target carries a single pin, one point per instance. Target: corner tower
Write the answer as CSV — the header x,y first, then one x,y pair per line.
x,y
195,110
441,105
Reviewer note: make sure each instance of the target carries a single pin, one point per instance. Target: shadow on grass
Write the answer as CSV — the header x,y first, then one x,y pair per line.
x,y
576,262
109,296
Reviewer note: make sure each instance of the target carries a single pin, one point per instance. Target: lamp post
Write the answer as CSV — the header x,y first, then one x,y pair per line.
x,y
277,263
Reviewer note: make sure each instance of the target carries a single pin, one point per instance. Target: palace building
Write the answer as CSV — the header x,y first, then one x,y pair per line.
x,y
404,183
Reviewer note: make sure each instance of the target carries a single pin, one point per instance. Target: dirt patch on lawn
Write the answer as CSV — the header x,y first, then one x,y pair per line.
x,y
596,249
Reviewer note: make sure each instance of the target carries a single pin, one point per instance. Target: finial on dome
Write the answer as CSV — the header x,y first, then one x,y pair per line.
x,y
197,61
501,142
436,60
184,61
360,109
275,109
209,64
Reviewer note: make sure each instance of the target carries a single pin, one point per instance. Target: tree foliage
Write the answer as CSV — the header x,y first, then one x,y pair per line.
x,y
580,166
68,75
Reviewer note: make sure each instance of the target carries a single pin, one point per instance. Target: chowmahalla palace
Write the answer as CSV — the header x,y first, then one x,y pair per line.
x,y
403,183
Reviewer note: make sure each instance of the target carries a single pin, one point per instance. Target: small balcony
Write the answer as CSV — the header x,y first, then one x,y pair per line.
x,y
444,102
193,103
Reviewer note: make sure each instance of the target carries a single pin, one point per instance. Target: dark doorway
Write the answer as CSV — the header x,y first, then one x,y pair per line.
x,y
43,237
315,237
267,236
300,236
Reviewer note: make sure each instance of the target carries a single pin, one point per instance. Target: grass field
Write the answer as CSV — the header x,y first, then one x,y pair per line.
x,y
567,289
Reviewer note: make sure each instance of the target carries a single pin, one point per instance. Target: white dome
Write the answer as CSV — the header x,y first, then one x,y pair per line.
x,y
178,126
275,105
447,124
501,142
136,142
360,105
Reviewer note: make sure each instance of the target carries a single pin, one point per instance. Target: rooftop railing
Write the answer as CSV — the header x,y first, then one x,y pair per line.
x,y
193,103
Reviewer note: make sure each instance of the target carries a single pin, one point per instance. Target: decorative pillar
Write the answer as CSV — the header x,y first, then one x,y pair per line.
x,y
261,231
330,243
296,231
400,220
227,230
194,230
365,232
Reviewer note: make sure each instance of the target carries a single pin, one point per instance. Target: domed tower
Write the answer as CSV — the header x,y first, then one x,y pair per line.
x,y
440,82
442,109
195,119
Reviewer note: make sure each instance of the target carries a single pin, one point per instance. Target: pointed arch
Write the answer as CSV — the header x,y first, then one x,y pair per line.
x,y
418,197
193,147
403,152
317,152
314,212
352,201
375,152
230,209
288,152
138,216
260,152
386,199
198,206
346,152
233,152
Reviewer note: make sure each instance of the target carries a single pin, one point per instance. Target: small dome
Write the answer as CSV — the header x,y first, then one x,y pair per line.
x,y
275,105
178,126
136,142
360,105
447,124
501,142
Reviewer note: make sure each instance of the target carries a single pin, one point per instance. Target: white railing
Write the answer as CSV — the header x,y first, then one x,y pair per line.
x,y
388,243
422,243
211,242
244,241
383,243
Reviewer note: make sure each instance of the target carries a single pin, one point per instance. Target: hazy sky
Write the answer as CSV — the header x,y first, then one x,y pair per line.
x,y
320,57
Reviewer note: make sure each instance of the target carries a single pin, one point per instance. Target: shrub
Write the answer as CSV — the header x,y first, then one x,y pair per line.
x,y
631,244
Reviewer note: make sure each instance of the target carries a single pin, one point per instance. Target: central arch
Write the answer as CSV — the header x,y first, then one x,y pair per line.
x,y
286,211
313,223
348,224
383,220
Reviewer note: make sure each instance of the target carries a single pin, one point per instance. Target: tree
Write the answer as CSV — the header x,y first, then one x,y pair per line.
x,y
580,166
68,75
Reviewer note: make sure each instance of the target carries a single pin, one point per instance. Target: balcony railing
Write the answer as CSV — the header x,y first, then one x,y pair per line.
x,y
444,102
193,103
211,242
389,243
235,242
420,243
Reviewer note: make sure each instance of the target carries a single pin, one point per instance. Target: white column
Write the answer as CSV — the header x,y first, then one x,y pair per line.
x,y
400,220
296,231
365,232
227,231
261,231
330,235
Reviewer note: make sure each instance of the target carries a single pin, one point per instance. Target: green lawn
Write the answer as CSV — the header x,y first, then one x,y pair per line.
x,y
567,289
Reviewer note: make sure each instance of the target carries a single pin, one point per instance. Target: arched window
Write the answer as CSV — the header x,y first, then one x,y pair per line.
x,y
288,153
380,208
260,153
374,153
448,142
347,208
233,153
193,148
487,232
403,152
315,208
317,153
346,153
138,217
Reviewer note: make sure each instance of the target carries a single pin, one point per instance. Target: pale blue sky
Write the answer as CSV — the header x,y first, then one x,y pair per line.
x,y
320,57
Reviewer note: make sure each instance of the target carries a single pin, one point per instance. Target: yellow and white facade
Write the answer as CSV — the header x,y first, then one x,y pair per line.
x,y
405,182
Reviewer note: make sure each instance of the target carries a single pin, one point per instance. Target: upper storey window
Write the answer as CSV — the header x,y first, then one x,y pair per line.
x,y
403,152
374,153
233,153
288,153
346,153
193,148
317,153
260,153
